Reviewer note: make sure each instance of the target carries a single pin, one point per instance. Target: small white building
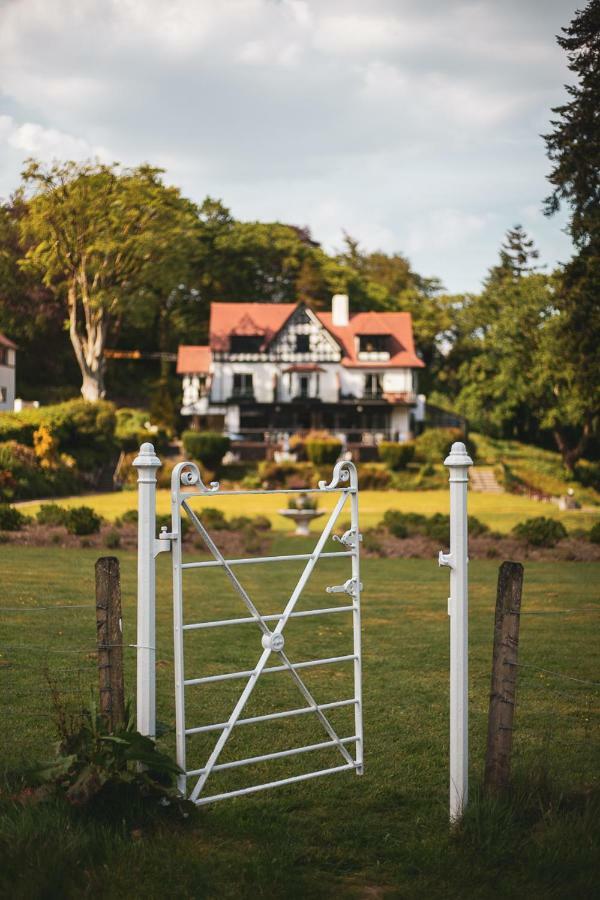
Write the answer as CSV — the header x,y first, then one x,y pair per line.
x,y
282,368
8,359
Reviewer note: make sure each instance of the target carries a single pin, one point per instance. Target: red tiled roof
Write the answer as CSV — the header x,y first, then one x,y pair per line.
x,y
267,319
193,360
5,342
397,324
227,318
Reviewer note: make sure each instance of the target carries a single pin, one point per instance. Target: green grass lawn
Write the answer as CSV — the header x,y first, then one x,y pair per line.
x,y
500,511
384,834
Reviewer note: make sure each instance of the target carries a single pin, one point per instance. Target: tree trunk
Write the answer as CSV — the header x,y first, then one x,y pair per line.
x,y
88,346
571,455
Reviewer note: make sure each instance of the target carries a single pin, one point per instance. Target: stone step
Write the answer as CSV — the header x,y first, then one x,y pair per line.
x,y
484,480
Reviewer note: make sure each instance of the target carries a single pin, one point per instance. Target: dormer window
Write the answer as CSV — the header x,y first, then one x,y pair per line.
x,y
245,343
373,343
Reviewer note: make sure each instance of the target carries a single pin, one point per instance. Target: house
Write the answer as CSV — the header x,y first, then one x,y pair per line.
x,y
276,369
8,357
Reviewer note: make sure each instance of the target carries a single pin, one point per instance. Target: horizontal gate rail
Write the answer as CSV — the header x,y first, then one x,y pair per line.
x,y
252,720
207,679
216,492
279,754
212,564
270,618
201,801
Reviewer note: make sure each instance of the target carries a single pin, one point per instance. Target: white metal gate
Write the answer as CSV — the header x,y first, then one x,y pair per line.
x,y
185,486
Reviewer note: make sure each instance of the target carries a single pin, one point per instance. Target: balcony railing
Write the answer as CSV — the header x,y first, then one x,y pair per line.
x,y
242,394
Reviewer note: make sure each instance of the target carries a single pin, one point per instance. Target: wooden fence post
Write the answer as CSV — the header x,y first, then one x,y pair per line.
x,y
504,677
109,637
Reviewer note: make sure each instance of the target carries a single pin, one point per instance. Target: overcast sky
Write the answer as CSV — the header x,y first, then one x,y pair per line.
x,y
412,124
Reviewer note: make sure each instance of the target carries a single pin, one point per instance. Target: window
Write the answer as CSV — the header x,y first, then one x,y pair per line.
x,y
302,343
373,387
3,395
3,356
373,343
243,343
242,384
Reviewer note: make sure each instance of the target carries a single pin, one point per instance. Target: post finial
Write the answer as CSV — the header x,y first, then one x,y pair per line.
x,y
147,457
458,455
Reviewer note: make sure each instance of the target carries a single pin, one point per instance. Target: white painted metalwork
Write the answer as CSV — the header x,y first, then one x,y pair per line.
x,y
147,463
458,463
186,485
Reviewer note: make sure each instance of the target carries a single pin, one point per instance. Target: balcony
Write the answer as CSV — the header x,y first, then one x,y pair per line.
x,y
372,395
243,395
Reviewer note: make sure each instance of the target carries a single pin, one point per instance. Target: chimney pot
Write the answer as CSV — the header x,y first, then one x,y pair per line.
x,y
339,310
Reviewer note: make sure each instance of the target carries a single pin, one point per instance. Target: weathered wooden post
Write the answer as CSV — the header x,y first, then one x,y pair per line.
x,y
109,636
147,463
458,463
504,677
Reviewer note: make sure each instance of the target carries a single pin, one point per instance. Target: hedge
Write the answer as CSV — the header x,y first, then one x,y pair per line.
x,y
208,447
396,456
323,452
540,531
85,431
23,478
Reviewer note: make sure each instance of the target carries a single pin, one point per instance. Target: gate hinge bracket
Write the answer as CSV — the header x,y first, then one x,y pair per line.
x,y
446,559
351,587
162,544
349,538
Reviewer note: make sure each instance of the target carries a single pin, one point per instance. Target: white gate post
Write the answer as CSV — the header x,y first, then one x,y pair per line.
x,y
147,462
458,463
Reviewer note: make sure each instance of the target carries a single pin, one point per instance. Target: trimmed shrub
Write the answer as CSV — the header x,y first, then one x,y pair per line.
x,y
213,518
396,456
11,519
130,516
112,539
82,520
208,447
237,523
52,514
402,524
286,474
540,531
433,445
594,534
323,451
261,523
373,476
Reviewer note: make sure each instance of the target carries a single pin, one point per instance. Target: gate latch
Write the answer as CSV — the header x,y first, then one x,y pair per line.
x,y
349,587
162,544
349,538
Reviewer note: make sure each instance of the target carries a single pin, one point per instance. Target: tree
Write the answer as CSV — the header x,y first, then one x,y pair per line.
x,y
32,317
106,241
573,147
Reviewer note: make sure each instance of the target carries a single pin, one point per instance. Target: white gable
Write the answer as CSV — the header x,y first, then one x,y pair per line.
x,y
303,323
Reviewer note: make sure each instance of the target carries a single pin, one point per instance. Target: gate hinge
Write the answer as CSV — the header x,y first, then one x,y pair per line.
x,y
352,587
446,559
162,544
349,538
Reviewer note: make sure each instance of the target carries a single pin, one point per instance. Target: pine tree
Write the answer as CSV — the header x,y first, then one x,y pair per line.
x,y
574,144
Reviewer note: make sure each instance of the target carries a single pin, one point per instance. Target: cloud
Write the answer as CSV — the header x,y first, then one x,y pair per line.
x,y
398,120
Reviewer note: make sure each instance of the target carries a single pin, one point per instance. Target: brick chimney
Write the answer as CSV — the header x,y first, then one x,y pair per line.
x,y
339,310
